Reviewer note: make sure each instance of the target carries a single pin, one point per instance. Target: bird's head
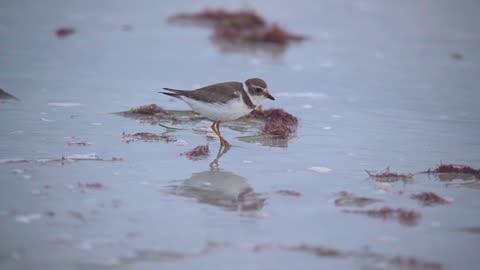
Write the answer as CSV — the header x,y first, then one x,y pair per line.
x,y
257,90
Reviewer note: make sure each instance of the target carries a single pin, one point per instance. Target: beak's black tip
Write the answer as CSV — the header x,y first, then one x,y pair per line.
x,y
270,96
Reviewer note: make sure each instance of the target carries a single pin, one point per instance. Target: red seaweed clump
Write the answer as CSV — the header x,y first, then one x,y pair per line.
x,y
455,169
278,122
197,153
239,27
403,216
64,31
429,199
388,176
151,109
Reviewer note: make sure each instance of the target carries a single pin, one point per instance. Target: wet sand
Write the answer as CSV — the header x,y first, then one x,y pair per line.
x,y
375,85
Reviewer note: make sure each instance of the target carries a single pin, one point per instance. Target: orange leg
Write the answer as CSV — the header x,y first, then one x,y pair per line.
x,y
213,127
225,143
216,129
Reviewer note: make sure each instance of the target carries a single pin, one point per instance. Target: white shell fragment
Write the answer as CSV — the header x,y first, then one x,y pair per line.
x,y
27,218
320,169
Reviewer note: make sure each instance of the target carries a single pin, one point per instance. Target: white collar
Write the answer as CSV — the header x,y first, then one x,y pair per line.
x,y
245,87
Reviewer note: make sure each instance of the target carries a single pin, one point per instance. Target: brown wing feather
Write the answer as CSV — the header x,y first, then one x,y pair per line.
x,y
216,93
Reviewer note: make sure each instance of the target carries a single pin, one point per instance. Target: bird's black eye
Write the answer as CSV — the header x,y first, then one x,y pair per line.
x,y
258,90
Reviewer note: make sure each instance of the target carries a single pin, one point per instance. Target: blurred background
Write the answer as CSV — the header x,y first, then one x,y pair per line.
x,y
374,84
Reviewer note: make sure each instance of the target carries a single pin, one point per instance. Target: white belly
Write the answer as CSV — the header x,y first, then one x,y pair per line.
x,y
219,111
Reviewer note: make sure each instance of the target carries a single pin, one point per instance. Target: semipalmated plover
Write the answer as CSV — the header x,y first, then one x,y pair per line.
x,y
224,101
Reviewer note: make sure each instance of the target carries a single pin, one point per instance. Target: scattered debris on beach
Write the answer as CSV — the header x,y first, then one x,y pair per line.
x,y
197,153
368,258
348,199
64,31
148,137
388,176
274,125
430,199
403,216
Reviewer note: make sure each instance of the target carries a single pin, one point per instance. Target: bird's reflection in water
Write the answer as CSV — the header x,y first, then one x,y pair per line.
x,y
220,188
272,142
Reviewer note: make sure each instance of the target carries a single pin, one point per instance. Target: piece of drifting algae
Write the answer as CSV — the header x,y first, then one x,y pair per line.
x,y
197,153
64,31
430,199
148,137
349,199
454,169
155,115
403,216
288,192
278,123
388,176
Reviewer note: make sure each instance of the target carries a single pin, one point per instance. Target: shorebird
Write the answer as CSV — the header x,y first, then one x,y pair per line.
x,y
224,101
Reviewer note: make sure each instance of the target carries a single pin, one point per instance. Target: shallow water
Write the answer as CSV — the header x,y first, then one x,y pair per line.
x,y
378,84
